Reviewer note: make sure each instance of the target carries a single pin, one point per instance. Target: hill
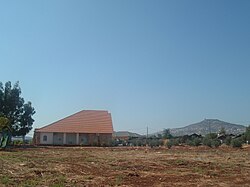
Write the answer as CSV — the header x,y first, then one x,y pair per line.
x,y
208,125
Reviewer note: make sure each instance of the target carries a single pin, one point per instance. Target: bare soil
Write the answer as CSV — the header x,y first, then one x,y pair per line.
x,y
125,166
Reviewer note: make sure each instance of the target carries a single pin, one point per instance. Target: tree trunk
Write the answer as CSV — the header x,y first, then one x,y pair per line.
x,y
23,139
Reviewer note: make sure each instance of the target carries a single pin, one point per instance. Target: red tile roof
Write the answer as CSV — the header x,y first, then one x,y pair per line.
x,y
85,121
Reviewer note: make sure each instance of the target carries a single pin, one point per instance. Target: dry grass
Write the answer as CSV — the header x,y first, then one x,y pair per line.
x,y
78,166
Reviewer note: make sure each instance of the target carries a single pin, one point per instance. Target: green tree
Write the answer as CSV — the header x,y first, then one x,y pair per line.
x,y
26,120
4,124
167,134
247,134
13,107
211,140
159,136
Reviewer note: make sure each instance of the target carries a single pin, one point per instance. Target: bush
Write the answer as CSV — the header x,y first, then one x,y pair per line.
x,y
172,142
237,142
211,140
211,136
197,141
194,142
228,140
190,142
17,142
169,144
246,135
207,142
153,143
216,143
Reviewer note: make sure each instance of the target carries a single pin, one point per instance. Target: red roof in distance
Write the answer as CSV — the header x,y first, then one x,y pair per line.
x,y
85,121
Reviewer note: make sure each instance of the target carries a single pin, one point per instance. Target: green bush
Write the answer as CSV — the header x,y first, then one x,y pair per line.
x,y
246,135
228,140
194,142
216,143
190,142
208,142
155,142
169,144
173,142
211,136
17,142
197,141
211,140
237,142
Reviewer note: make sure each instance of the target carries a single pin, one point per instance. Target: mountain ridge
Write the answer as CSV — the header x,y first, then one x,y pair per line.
x,y
208,126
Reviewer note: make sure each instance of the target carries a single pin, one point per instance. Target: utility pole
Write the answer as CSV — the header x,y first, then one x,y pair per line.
x,y
147,132
147,136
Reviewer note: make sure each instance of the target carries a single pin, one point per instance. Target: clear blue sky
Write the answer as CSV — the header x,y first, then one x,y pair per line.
x,y
157,63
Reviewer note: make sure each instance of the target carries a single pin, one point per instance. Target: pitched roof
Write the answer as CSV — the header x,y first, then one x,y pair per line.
x,y
85,121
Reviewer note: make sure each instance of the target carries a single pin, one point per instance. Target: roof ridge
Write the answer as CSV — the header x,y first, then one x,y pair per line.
x,y
71,116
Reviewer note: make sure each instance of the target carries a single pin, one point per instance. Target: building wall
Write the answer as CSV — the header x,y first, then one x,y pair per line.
x,y
85,139
58,138
36,138
95,139
105,139
71,138
44,140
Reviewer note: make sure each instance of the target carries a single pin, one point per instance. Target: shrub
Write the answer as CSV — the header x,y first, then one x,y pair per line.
x,y
197,141
228,140
211,136
246,135
169,144
207,142
153,142
190,142
216,143
172,142
236,142
17,142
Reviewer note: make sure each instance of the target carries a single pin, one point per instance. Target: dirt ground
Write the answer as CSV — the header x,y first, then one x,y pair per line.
x,y
125,166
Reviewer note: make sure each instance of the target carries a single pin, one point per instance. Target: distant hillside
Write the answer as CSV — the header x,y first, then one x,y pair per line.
x,y
208,125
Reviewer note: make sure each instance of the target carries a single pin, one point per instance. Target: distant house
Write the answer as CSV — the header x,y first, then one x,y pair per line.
x,y
125,135
87,127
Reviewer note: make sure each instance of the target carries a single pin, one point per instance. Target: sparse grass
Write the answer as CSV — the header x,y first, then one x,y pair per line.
x,y
118,180
181,162
30,183
182,166
199,170
60,181
5,180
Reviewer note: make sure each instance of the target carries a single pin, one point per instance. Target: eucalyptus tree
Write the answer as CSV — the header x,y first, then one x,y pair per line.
x,y
13,108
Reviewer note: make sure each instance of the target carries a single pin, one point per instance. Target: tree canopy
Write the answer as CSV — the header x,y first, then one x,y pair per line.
x,y
4,124
167,134
14,109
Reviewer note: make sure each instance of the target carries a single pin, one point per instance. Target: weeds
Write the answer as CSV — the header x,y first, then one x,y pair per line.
x,y
118,180
5,180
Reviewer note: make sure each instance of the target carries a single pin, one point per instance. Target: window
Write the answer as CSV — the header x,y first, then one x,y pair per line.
x,y
45,138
